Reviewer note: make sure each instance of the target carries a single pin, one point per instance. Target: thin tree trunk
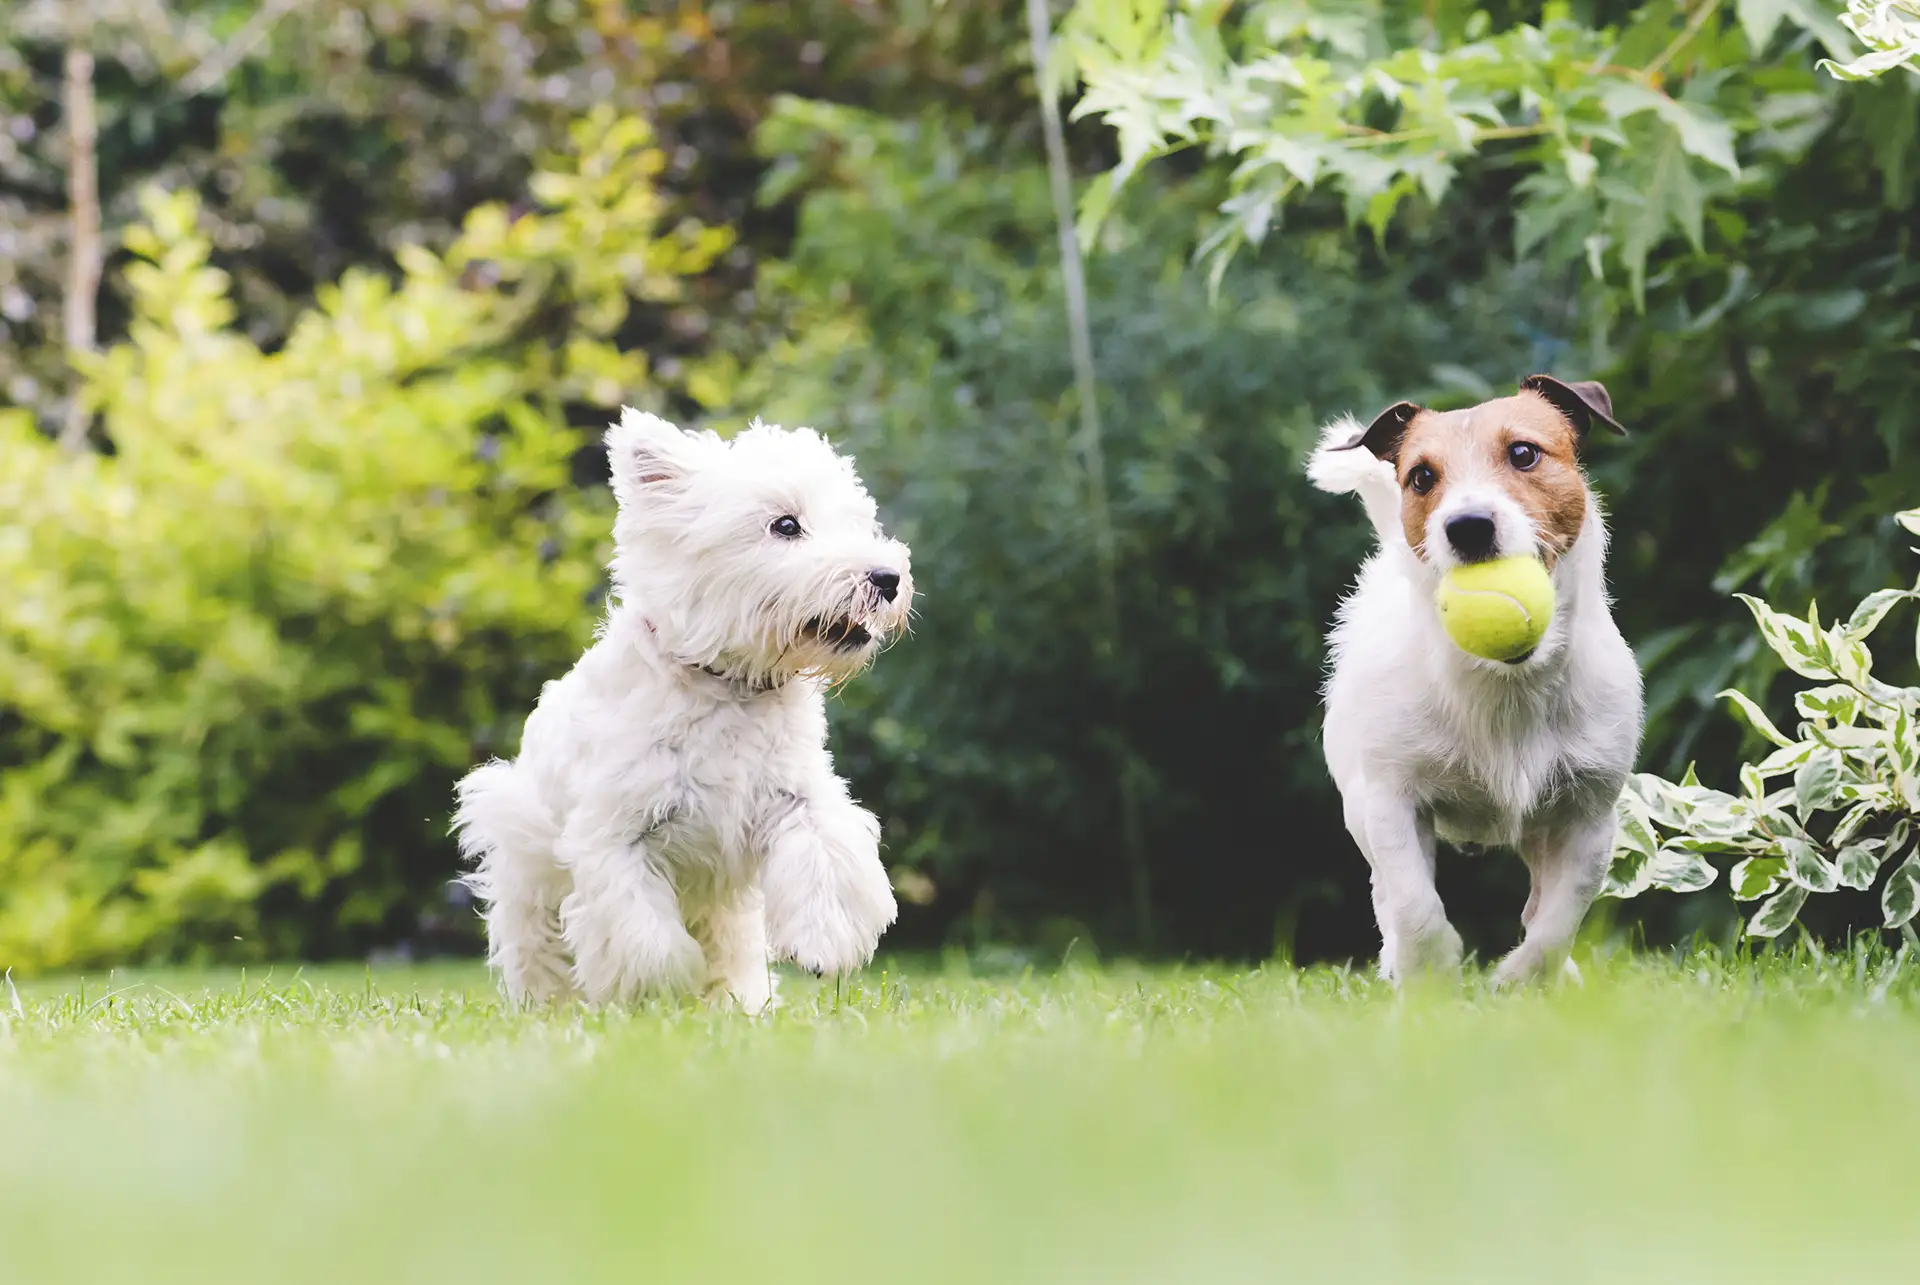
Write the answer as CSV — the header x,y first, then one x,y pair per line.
x,y
83,207
1093,459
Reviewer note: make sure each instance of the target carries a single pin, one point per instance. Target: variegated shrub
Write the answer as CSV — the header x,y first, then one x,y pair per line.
x,y
1832,806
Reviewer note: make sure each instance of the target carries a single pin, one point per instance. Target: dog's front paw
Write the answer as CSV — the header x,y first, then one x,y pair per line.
x,y
1434,951
831,923
827,895
1524,966
832,935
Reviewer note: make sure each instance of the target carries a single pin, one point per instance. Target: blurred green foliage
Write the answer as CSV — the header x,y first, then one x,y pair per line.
x,y
930,337
1768,378
244,655
346,514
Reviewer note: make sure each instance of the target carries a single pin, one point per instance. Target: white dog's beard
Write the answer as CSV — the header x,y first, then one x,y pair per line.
x,y
838,634
833,645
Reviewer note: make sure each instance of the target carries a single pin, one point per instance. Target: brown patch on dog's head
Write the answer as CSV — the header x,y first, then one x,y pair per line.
x,y
1528,445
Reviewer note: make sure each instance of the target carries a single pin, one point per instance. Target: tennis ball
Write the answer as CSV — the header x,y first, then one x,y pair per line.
x,y
1497,610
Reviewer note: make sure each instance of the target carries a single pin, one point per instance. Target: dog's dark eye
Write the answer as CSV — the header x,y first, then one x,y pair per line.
x,y
786,526
1523,455
1421,479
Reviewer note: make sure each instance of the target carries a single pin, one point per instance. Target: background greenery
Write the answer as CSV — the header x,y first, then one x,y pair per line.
x,y
341,512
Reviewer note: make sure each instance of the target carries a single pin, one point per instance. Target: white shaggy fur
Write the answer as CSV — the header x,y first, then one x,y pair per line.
x,y
1423,739
673,820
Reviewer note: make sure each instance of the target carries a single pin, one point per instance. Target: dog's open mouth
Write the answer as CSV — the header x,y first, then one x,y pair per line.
x,y
841,635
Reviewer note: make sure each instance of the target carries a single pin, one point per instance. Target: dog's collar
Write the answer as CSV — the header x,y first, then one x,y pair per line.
x,y
753,687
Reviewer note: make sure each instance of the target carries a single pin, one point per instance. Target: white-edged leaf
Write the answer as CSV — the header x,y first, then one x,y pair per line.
x,y
1816,782
1910,519
1786,758
1903,754
1870,66
1635,834
1806,867
1756,877
1752,845
1901,897
1778,912
1860,739
1756,717
1726,816
1628,874
1852,659
1850,823
1833,703
1872,610
1858,864
1795,642
1679,871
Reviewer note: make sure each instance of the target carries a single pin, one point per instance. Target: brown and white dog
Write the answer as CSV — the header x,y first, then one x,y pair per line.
x,y
1425,740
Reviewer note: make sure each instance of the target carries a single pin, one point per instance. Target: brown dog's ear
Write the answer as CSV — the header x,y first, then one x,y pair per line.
x,y
1583,402
1382,437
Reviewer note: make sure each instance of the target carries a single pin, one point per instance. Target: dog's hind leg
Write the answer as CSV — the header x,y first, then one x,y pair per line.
x,y
739,964
1397,842
506,833
1569,864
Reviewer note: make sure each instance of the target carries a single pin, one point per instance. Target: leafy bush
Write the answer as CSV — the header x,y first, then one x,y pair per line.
x,y
1854,764
1890,29
244,655
928,326
1759,343
1766,377
1628,125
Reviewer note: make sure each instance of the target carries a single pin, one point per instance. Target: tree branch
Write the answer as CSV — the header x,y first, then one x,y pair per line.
x,y
83,240
215,67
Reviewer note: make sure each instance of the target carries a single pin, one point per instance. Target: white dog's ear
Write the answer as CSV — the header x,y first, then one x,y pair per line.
x,y
645,451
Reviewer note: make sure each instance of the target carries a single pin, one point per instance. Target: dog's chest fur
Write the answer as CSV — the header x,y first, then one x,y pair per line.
x,y
1486,757
1483,752
702,766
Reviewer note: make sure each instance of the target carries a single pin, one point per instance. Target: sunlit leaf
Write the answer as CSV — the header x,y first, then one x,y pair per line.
x,y
1778,912
1816,782
1900,899
1756,876
1757,717
1806,867
1858,864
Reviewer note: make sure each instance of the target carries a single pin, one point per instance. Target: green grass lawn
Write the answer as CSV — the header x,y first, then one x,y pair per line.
x,y
1687,1122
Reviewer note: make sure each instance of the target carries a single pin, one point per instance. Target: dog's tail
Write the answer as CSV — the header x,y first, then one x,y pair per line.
x,y
1340,464
507,833
501,822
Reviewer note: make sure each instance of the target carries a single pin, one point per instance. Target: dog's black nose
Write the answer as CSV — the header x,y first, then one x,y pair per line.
x,y
886,582
1471,535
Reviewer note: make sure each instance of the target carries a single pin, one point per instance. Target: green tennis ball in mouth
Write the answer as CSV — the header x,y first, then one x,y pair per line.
x,y
1497,610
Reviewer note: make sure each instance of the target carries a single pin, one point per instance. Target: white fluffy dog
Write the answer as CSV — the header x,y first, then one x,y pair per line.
x,y
673,820
1424,739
